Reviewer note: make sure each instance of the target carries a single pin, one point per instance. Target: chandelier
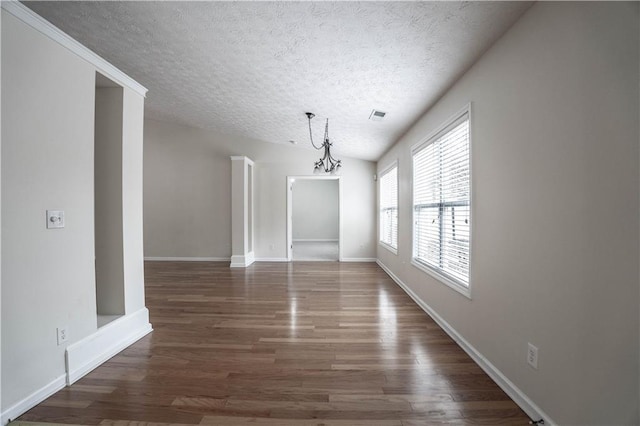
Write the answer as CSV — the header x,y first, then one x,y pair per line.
x,y
327,163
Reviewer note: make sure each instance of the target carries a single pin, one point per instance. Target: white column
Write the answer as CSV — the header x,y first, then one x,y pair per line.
x,y
132,237
242,231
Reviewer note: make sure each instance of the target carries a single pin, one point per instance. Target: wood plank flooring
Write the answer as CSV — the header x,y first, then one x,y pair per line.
x,y
294,344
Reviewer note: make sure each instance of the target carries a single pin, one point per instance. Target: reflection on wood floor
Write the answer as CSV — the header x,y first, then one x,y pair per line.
x,y
305,343
323,251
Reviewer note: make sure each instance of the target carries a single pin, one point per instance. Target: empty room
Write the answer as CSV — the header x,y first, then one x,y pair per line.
x,y
325,213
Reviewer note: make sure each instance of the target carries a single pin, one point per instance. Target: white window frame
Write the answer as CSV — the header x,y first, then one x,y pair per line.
x,y
384,171
445,279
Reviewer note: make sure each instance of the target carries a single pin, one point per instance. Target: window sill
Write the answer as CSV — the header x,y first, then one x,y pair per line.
x,y
388,247
465,291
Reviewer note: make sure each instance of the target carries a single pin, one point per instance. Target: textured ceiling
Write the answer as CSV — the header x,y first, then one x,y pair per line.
x,y
254,68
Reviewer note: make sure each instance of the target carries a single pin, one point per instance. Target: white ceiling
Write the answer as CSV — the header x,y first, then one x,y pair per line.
x,y
254,68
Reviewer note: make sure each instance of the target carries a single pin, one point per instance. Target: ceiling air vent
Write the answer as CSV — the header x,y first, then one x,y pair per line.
x,y
377,115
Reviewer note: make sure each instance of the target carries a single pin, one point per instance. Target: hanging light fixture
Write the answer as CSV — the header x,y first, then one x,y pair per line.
x,y
327,163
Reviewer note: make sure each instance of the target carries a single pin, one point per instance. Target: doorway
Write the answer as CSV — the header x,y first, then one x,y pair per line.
x,y
314,225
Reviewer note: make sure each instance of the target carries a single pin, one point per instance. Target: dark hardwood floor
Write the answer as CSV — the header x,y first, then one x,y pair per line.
x,y
283,344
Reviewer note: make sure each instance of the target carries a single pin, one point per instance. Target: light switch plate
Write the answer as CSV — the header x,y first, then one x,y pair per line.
x,y
55,219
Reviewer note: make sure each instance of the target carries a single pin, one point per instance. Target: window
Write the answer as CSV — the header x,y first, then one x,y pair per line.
x,y
389,208
442,203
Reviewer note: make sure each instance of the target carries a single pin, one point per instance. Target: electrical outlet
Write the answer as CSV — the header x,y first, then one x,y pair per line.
x,y
532,356
55,219
62,335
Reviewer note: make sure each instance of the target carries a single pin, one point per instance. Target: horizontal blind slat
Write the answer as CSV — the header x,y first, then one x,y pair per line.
x,y
442,201
389,207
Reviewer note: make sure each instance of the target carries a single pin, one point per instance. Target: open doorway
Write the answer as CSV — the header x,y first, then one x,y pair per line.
x,y
313,218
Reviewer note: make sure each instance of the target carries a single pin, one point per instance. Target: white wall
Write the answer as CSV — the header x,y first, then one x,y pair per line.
x,y
108,201
48,163
315,211
555,209
0,214
187,194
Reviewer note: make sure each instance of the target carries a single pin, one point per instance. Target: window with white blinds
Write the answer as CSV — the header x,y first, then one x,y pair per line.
x,y
442,202
389,207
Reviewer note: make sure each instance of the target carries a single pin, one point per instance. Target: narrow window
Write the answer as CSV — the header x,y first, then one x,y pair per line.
x,y
389,208
442,203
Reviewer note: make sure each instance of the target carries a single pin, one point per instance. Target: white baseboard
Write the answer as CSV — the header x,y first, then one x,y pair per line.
x,y
240,261
90,352
519,397
284,259
306,240
314,260
358,259
32,400
187,259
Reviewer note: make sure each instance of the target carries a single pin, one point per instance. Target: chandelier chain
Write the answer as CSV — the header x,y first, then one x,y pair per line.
x,y
311,136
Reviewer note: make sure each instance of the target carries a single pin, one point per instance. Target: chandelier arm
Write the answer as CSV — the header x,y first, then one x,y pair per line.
x,y
326,161
333,160
329,144
327,157
311,137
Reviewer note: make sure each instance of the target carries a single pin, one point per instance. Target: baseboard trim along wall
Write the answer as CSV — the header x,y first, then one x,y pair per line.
x,y
90,352
188,259
358,259
519,397
272,259
306,240
346,259
258,259
32,400
240,261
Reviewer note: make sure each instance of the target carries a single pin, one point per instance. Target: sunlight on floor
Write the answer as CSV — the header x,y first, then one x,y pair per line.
x,y
326,251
